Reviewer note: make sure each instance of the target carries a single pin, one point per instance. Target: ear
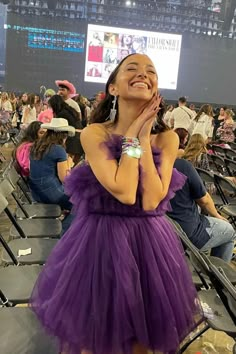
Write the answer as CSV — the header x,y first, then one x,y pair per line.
x,y
113,90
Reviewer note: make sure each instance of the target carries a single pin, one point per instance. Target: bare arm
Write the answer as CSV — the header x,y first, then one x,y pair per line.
x,y
206,203
119,179
155,186
63,168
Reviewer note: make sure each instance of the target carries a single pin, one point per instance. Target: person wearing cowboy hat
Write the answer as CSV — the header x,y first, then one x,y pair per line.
x,y
49,164
67,90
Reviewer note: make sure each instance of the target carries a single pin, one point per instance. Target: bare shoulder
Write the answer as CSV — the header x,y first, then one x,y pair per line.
x,y
167,139
94,131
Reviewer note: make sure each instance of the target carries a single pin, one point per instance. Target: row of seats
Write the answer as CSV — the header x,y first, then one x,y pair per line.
x,y
34,231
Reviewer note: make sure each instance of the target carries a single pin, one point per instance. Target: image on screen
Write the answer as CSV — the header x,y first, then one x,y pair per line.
x,y
107,46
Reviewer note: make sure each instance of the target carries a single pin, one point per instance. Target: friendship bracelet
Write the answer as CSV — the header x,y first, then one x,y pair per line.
x,y
131,147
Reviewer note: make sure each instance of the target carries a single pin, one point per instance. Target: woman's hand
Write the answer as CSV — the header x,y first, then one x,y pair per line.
x,y
144,133
143,124
70,163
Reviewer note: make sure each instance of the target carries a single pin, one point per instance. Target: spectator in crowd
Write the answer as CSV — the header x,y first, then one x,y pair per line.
x,y
193,108
62,110
22,102
211,232
85,109
203,123
38,104
13,100
22,152
167,115
49,164
66,89
182,116
218,118
5,103
183,138
29,111
48,94
226,130
196,152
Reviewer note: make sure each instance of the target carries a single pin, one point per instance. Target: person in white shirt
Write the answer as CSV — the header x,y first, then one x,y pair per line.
x,y
5,103
182,116
66,89
167,115
29,111
203,123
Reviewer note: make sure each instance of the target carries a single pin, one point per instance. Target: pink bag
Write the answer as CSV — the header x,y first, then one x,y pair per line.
x,y
23,158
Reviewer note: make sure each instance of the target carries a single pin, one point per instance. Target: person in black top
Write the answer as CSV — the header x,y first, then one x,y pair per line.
x,y
62,110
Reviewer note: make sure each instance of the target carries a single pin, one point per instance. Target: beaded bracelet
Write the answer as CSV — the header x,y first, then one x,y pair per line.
x,y
131,147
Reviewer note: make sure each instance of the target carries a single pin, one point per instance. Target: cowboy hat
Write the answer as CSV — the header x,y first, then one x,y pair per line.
x,y
59,125
67,84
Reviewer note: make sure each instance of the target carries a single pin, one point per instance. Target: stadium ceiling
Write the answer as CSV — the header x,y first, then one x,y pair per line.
x,y
206,17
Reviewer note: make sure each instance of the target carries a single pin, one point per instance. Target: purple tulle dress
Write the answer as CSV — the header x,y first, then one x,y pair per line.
x,y
118,276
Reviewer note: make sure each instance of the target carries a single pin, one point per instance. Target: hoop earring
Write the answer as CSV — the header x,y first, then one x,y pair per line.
x,y
113,110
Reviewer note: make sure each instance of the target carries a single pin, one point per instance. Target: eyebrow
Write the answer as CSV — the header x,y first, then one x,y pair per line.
x,y
134,63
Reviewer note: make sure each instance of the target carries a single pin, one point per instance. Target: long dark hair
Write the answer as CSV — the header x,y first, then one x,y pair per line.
x,y
182,134
207,109
30,135
30,100
57,104
102,111
44,144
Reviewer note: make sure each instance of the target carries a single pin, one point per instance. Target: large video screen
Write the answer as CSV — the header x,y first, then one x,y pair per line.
x,y
107,46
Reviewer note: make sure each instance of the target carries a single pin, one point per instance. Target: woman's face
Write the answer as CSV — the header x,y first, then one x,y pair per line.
x,y
25,97
185,140
136,79
36,99
41,132
222,111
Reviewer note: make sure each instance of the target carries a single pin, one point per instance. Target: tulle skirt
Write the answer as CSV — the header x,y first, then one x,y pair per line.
x,y
113,281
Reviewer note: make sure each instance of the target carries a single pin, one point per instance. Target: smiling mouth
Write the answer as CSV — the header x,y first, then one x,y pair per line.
x,y
140,85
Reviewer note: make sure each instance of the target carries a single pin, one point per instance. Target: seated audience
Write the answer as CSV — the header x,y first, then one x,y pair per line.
x,y
49,164
22,152
62,110
196,152
183,138
211,232
226,130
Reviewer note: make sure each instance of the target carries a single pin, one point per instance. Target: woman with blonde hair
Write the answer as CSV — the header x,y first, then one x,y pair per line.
x,y
196,152
226,130
5,103
203,122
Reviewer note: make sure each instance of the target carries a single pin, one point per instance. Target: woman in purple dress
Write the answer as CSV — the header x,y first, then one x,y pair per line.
x,y
117,282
